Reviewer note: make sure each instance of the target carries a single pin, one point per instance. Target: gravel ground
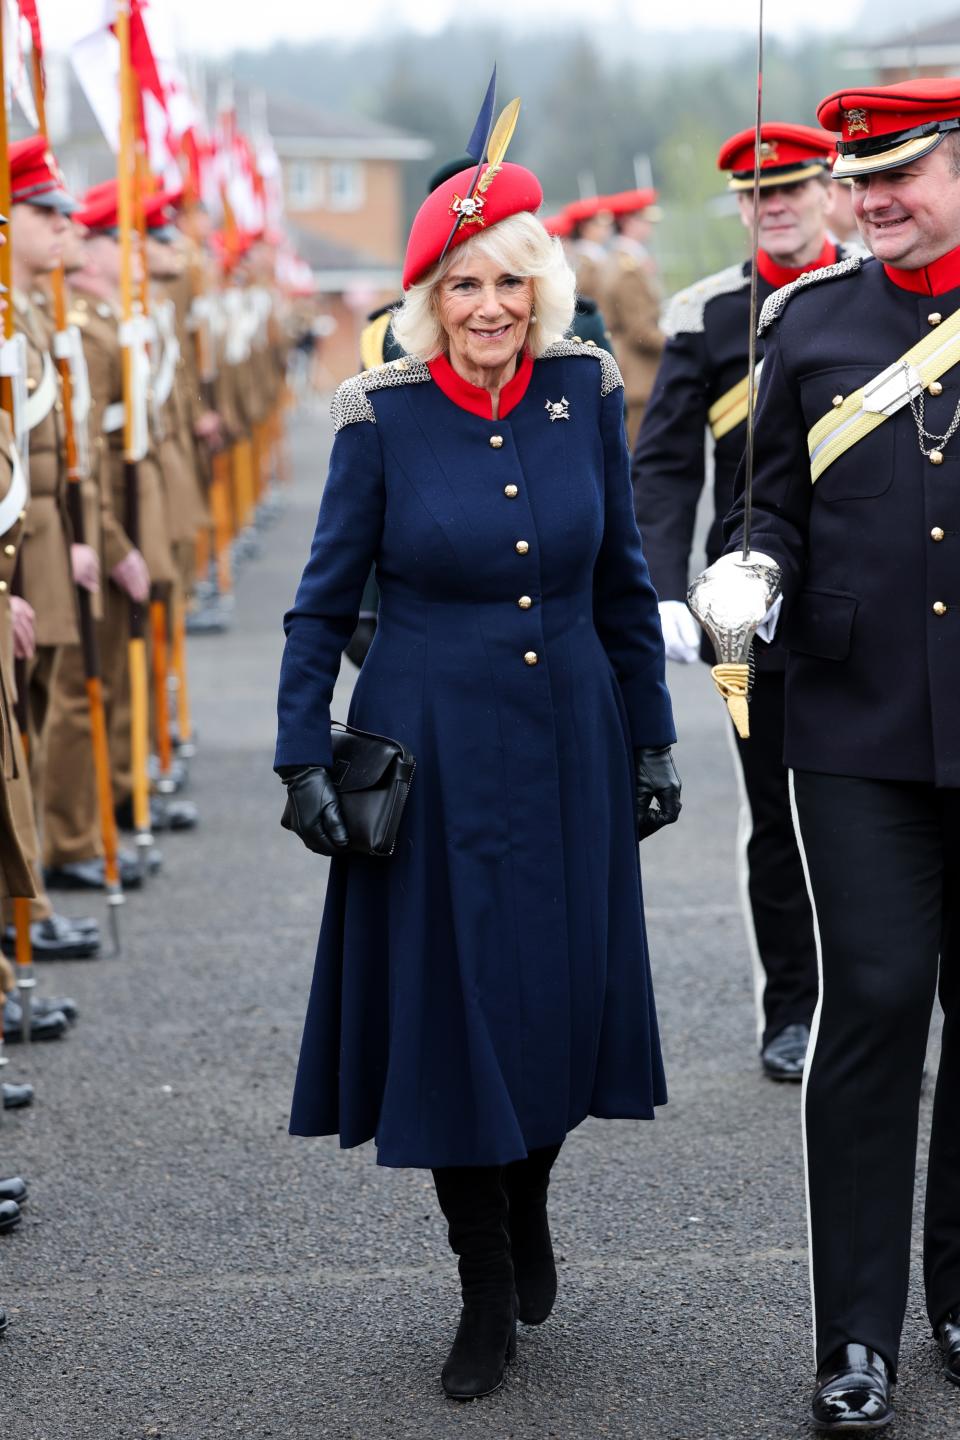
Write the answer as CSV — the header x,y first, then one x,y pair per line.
x,y
186,1270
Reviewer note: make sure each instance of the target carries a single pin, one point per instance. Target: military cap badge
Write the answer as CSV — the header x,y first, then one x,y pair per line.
x,y
857,122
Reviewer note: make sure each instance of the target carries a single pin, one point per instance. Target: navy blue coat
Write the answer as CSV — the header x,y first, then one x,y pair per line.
x,y
868,550
482,991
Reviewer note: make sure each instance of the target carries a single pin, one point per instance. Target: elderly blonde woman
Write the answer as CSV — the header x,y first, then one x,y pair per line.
x,y
486,988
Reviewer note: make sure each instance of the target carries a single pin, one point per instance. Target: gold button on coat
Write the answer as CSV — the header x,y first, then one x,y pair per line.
x,y
837,401
521,547
511,492
496,441
531,658
524,602
935,387
936,533
3,587
9,549
939,608
934,318
936,457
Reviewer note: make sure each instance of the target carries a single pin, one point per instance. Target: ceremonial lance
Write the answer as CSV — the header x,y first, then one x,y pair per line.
x,y
732,597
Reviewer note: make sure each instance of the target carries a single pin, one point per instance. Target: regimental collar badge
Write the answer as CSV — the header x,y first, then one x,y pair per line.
x,y
858,122
558,409
470,210
769,151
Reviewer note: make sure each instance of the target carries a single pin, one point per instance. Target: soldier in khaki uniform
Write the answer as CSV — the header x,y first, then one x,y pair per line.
x,y
591,226
632,300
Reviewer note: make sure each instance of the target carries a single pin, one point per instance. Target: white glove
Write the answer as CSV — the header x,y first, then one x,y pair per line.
x,y
681,633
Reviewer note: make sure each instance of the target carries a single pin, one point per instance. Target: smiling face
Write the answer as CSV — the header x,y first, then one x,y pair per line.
x,y
485,313
911,216
793,220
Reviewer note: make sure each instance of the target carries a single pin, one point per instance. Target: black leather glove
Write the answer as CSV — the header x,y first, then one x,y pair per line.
x,y
658,791
313,810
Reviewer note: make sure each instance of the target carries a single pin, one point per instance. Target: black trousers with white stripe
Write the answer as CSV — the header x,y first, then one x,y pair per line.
x,y
884,866
780,908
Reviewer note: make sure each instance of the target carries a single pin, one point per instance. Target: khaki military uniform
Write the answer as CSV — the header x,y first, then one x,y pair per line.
x,y
186,505
71,827
589,262
632,308
45,575
18,832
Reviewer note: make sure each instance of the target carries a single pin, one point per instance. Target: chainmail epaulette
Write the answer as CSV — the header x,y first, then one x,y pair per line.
x,y
684,313
610,377
774,304
351,401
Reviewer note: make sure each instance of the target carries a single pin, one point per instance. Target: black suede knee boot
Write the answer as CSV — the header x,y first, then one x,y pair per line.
x,y
474,1204
526,1183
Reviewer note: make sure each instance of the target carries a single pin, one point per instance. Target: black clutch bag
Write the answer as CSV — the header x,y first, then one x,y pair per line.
x,y
372,775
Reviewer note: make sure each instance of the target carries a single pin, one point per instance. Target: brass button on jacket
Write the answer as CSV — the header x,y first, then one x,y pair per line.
x,y
9,549
496,441
524,602
936,533
939,608
511,492
521,547
935,387
531,658
934,317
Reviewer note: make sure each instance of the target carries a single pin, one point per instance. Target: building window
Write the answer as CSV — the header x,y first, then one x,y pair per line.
x,y
346,185
304,185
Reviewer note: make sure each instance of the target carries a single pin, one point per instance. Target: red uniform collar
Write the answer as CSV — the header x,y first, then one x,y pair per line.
x,y
933,279
473,397
778,275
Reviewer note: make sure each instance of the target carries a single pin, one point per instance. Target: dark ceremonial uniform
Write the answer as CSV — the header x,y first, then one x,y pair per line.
x,y
870,555
705,360
480,993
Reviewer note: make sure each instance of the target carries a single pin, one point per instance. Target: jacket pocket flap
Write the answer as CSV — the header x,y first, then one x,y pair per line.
x,y
820,623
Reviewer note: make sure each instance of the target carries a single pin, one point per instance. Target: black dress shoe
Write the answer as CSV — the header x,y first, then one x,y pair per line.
x,y
783,1057
89,875
16,1097
13,1189
55,939
9,1215
948,1338
41,1005
853,1392
42,1027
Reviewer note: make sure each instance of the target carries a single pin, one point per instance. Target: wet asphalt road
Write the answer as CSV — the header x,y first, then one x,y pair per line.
x,y
186,1270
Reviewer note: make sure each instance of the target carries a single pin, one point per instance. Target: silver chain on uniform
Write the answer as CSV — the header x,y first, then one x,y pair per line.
x,y
923,434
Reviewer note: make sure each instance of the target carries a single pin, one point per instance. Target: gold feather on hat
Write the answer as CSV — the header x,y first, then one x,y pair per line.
x,y
500,138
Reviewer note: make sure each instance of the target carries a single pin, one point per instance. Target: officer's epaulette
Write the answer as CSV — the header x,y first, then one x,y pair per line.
x,y
610,377
684,313
773,306
351,401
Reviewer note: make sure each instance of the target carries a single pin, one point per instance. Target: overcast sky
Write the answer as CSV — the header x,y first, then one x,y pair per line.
x,y
218,25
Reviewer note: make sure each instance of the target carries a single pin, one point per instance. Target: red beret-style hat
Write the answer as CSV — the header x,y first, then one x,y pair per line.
x,y
632,202
884,126
35,177
788,153
502,190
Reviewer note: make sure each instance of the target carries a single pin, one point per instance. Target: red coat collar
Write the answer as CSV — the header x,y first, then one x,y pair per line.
x,y
473,397
934,279
778,275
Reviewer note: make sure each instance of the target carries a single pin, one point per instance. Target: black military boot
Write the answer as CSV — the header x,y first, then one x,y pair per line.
x,y
474,1204
526,1183
853,1392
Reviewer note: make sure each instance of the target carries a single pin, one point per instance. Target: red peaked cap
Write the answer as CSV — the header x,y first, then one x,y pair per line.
x,y
883,126
512,190
35,177
788,153
100,208
587,208
560,225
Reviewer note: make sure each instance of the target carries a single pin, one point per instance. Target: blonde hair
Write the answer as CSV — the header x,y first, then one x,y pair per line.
x,y
520,246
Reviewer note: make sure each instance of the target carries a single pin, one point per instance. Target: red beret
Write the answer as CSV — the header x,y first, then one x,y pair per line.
x,y
560,225
586,209
630,202
502,191
35,177
788,153
884,126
